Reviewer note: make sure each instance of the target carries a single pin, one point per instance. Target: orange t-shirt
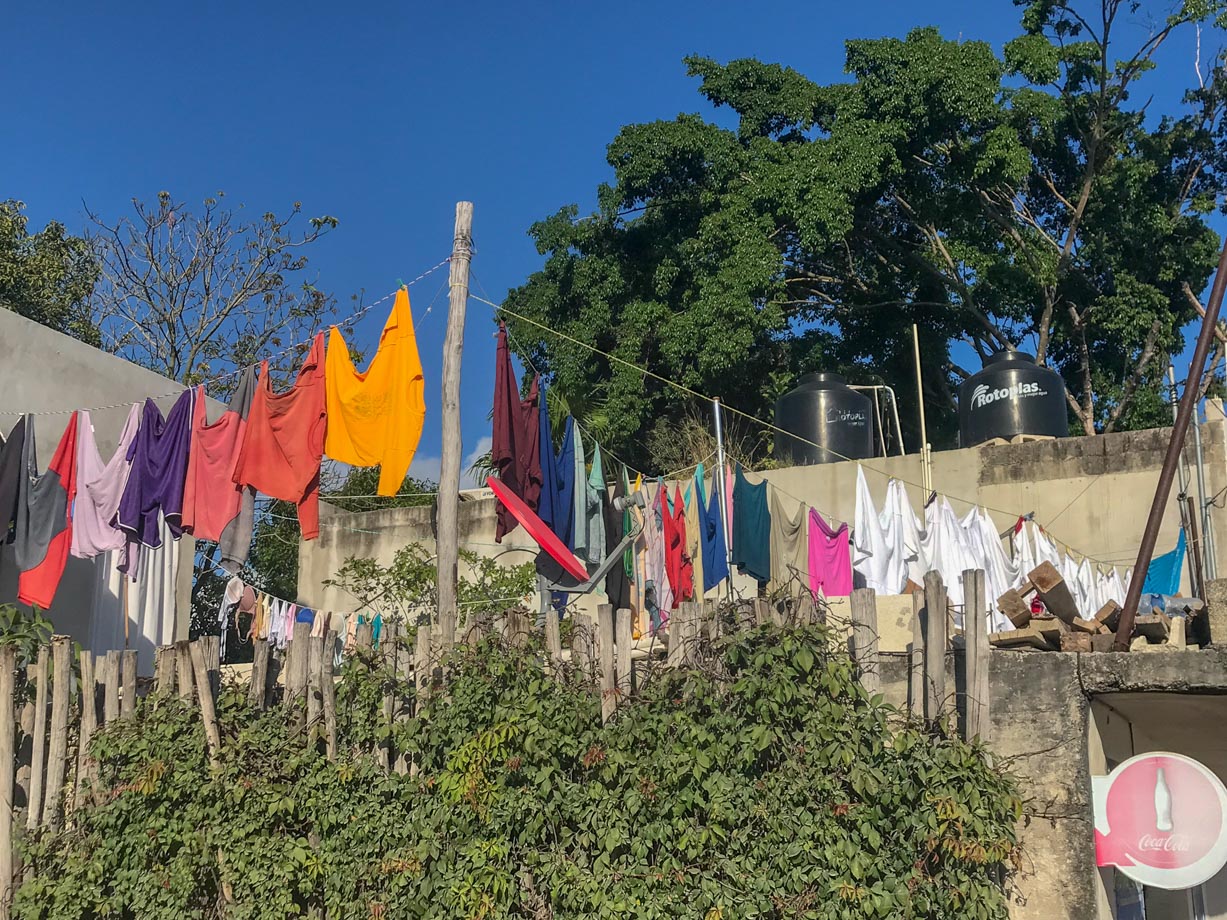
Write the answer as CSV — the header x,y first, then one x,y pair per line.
x,y
375,417
284,441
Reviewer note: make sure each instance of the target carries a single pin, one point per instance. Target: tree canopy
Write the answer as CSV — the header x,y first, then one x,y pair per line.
x,y
1028,198
46,276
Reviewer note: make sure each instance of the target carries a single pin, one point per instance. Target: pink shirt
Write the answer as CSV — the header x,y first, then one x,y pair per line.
x,y
100,487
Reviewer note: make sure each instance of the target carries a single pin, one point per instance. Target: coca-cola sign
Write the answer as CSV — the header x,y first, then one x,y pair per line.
x,y
1159,818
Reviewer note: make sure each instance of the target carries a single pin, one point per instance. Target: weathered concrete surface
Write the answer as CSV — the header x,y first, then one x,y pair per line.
x,y
1042,731
43,371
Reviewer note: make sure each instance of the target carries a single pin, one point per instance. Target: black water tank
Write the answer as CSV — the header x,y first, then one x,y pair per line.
x,y
825,410
1011,395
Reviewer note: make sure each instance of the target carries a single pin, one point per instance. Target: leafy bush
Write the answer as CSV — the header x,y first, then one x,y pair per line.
x,y
765,784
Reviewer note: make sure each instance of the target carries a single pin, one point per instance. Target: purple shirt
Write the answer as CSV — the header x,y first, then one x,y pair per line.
x,y
158,457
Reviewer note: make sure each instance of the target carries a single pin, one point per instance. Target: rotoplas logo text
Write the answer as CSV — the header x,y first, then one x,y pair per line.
x,y
982,395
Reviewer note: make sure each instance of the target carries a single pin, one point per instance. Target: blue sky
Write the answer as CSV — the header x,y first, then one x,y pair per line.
x,y
385,114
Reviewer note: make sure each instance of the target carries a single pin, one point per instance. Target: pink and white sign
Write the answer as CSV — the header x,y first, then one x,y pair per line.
x,y
1161,819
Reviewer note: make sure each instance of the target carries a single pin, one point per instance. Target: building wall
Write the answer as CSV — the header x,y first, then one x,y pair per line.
x,y
43,371
1091,493
1056,719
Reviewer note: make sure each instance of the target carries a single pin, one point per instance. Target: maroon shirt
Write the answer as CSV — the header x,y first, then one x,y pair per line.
x,y
516,449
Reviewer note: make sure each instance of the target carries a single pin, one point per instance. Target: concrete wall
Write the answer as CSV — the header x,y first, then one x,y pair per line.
x,y
1056,718
43,371
1091,493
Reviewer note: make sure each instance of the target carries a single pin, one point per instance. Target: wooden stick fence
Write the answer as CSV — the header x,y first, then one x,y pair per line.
x,y
48,778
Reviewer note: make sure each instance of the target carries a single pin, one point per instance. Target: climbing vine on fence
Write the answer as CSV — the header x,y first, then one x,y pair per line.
x,y
762,785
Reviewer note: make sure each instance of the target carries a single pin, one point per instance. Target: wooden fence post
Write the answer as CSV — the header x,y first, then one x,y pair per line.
x,y
8,742
553,639
975,637
605,638
916,658
328,690
129,674
387,650
257,690
110,680
864,607
583,636
674,656
25,753
57,756
299,657
935,646
89,723
315,659
38,759
164,669
204,693
183,669
622,635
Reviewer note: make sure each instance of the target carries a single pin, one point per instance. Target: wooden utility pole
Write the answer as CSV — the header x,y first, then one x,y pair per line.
x,y
447,537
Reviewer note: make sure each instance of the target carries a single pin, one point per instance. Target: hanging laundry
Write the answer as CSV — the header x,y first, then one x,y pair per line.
x,y
579,497
549,499
225,612
375,417
515,450
711,527
1163,576
10,477
284,442
643,616
678,567
594,515
158,456
44,522
148,620
564,509
694,534
100,486
830,560
211,498
658,594
871,558
751,528
617,582
789,544
41,507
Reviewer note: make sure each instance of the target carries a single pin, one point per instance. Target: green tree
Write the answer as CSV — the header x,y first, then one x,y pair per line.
x,y
1024,199
46,276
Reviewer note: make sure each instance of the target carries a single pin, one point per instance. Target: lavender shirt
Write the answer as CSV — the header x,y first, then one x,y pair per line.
x,y
100,487
158,457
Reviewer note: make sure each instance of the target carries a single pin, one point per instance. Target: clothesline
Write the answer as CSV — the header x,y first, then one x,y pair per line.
x,y
729,408
346,321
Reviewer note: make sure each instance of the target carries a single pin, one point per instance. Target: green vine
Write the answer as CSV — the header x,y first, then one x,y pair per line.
x,y
765,784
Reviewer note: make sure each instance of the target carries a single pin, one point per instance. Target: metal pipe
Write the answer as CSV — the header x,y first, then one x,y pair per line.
x,y
894,409
877,418
1198,581
926,475
1207,533
1183,472
1188,401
